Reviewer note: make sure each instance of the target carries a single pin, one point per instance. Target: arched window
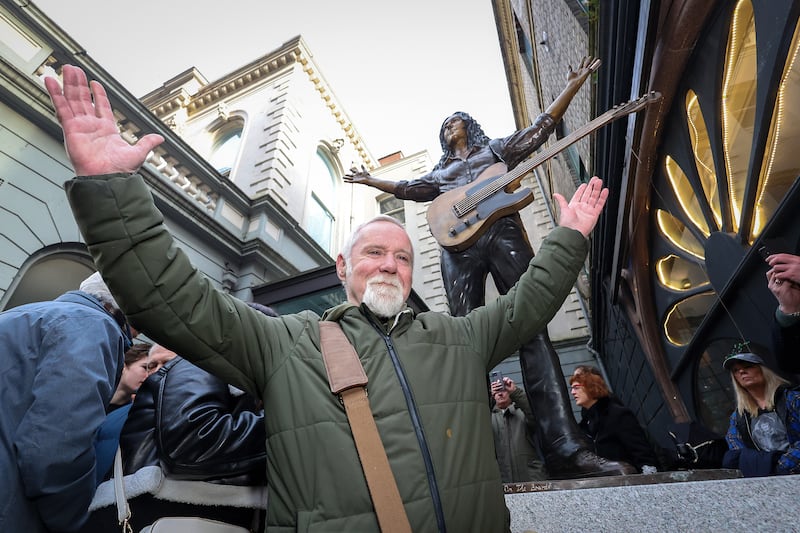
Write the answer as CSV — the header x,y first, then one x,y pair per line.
x,y
319,217
48,274
226,146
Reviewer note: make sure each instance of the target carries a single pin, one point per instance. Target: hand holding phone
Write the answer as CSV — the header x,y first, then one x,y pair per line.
x,y
497,376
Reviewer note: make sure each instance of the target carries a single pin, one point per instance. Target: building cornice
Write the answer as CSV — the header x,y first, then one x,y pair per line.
x,y
172,96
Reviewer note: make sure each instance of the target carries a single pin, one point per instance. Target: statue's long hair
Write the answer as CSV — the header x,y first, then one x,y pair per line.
x,y
475,136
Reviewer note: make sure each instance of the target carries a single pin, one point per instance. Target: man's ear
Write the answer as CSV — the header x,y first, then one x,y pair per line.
x,y
341,267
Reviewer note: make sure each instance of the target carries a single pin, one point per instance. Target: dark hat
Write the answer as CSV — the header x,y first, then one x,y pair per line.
x,y
747,357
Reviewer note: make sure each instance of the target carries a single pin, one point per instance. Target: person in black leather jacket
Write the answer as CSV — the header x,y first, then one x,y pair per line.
x,y
192,446
196,427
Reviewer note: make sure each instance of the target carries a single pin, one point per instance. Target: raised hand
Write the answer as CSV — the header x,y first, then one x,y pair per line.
x,y
783,279
583,210
497,386
91,135
575,79
357,176
588,65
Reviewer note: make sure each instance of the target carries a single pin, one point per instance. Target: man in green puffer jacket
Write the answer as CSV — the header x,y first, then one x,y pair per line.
x,y
427,373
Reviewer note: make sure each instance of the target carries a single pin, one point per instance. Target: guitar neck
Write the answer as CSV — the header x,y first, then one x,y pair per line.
x,y
470,201
558,146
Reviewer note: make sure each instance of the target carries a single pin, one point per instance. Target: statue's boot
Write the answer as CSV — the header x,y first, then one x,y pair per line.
x,y
566,451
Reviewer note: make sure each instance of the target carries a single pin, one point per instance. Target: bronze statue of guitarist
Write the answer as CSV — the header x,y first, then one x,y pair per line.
x,y
504,251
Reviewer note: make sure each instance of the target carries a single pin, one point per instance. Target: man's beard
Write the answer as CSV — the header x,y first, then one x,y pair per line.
x,y
383,295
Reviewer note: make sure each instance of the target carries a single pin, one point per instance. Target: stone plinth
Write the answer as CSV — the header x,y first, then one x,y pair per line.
x,y
691,501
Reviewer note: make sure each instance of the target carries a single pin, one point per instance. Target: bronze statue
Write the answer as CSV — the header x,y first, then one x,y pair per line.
x,y
467,154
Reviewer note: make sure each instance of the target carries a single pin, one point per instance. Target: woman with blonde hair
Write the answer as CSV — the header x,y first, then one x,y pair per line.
x,y
764,433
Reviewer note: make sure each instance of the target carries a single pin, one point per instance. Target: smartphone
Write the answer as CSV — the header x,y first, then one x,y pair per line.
x,y
497,376
764,252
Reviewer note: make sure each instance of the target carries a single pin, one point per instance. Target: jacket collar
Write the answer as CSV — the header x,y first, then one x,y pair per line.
x,y
400,321
512,408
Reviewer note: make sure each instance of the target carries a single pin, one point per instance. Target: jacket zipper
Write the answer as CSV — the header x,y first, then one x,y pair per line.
x,y
417,423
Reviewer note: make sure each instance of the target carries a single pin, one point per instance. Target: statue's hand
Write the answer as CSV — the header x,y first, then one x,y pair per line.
x,y
357,176
91,135
575,80
588,65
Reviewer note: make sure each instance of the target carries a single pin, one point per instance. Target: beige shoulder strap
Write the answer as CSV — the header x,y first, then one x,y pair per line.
x,y
347,379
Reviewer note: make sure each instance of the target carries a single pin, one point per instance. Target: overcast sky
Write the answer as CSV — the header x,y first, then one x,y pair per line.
x,y
397,69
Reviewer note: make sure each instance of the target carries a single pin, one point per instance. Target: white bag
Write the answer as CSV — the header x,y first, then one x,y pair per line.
x,y
177,524
188,524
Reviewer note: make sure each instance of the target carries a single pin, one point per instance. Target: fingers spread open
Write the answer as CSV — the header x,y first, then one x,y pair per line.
x,y
59,102
76,91
579,194
102,107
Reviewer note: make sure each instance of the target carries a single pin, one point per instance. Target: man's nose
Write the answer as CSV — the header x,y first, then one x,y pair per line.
x,y
389,264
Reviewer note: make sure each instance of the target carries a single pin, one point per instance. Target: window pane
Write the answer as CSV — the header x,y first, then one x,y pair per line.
x,y
678,234
781,164
319,217
225,151
393,207
685,317
319,223
704,158
322,178
739,103
318,302
679,274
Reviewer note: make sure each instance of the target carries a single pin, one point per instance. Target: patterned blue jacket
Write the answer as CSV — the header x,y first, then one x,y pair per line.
x,y
787,405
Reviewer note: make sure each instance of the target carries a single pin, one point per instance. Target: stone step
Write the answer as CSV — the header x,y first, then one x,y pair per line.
x,y
685,501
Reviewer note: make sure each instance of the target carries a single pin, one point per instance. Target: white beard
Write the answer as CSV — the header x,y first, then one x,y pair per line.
x,y
383,295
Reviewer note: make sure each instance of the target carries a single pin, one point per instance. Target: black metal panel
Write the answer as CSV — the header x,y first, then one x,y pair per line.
x,y
616,46
632,380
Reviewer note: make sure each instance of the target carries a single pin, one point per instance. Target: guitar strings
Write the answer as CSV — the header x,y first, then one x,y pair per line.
x,y
470,202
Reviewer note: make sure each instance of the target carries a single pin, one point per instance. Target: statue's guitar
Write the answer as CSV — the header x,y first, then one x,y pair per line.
x,y
459,217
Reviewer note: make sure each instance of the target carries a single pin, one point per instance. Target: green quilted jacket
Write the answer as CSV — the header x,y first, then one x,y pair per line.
x,y
427,373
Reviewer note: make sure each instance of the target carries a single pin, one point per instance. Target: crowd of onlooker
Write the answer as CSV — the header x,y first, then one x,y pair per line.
x,y
764,429
78,386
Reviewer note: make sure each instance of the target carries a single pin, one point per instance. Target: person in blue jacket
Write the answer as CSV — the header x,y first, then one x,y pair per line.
x,y
60,365
764,433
